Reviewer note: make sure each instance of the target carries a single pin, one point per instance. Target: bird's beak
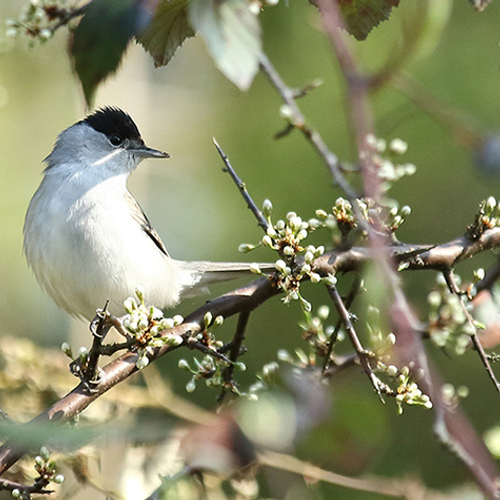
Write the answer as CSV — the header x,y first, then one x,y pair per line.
x,y
145,152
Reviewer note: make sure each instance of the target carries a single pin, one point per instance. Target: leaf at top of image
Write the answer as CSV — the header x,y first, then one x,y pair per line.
x,y
167,31
232,35
101,37
361,16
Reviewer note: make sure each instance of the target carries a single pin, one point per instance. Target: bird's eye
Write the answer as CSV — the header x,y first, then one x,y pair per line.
x,y
115,140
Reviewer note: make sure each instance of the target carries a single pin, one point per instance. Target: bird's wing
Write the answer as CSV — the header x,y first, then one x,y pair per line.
x,y
141,218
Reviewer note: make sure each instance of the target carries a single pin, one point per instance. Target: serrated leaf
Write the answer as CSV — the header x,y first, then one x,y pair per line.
x,y
101,38
232,35
361,16
167,31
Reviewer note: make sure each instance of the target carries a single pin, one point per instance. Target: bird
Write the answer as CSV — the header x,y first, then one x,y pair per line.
x,y
86,238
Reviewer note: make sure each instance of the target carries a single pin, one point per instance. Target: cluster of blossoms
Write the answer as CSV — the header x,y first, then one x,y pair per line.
x,y
448,324
383,158
407,391
287,237
38,19
210,368
46,470
145,323
488,217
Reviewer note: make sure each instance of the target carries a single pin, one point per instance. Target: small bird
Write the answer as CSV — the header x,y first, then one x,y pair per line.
x,y
86,238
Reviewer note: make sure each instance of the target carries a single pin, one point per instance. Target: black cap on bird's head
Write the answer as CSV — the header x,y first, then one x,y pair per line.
x,y
121,131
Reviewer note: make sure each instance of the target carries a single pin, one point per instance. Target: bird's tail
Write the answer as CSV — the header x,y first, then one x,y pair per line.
x,y
201,274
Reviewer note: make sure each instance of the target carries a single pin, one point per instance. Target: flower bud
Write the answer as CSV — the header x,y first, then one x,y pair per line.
x,y
245,248
398,146
267,207
183,365
255,268
142,362
280,266
178,319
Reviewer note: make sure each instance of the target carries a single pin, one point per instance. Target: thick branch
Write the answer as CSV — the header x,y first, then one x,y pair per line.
x,y
245,298
248,298
415,257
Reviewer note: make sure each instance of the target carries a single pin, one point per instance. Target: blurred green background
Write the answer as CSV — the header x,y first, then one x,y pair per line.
x,y
200,215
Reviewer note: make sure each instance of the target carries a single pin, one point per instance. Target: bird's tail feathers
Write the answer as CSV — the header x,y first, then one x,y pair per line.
x,y
207,273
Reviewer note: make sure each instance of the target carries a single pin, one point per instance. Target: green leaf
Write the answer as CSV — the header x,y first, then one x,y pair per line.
x,y
167,31
232,35
361,16
101,38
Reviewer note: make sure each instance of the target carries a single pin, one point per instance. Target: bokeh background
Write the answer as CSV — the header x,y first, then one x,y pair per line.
x,y
200,215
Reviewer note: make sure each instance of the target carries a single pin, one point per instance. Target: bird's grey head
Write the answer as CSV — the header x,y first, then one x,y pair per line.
x,y
107,139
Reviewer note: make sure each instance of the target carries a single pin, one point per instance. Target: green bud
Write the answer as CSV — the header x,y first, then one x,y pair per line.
x,y
178,319
491,203
167,323
392,370
330,280
267,207
267,241
323,312
241,366
142,362
245,248
66,349
286,112
139,292
59,479
479,274
280,266
302,234
183,365
174,340
405,211
284,355
207,319
44,453
254,268
191,386
398,146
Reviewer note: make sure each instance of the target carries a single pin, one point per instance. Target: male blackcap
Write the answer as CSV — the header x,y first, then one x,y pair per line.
x,y
87,239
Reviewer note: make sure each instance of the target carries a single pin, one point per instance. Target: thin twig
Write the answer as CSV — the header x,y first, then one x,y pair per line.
x,y
333,337
362,353
66,16
99,327
261,220
234,352
39,488
454,289
199,346
313,136
401,488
